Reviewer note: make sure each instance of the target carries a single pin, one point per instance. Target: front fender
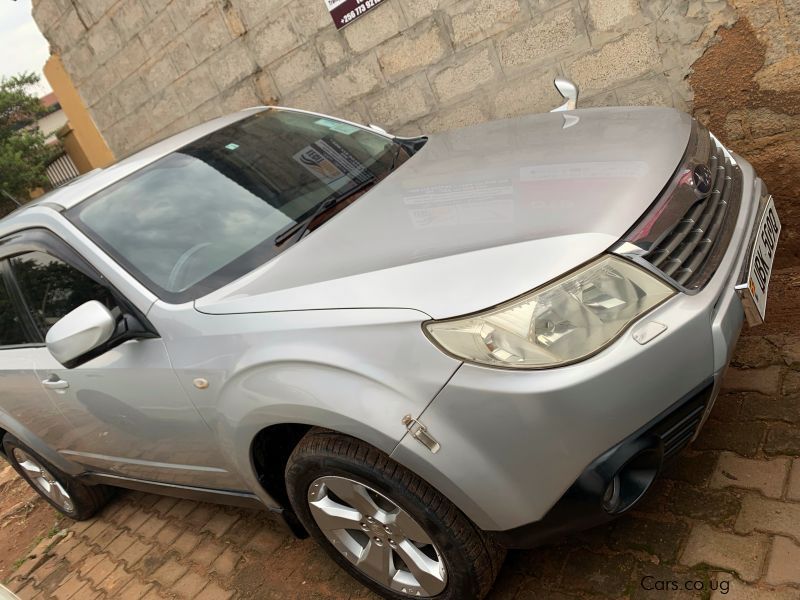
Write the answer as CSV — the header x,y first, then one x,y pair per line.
x,y
356,371
312,394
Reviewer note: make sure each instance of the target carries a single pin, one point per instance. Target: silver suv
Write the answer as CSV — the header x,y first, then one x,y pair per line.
x,y
420,351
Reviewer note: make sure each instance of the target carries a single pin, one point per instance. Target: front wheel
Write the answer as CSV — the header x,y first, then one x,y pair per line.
x,y
384,525
66,494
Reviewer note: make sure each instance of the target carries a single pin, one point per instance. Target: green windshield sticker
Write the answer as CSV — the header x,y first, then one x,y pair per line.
x,y
232,146
337,126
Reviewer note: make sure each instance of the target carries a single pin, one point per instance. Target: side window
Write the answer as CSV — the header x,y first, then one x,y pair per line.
x,y
12,332
51,288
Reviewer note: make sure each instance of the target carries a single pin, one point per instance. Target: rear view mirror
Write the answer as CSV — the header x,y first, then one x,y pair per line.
x,y
80,331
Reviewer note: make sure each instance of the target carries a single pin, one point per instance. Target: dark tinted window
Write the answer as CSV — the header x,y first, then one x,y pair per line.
x,y
12,332
219,207
51,288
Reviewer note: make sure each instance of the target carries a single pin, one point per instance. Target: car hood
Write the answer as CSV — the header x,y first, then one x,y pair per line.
x,y
479,215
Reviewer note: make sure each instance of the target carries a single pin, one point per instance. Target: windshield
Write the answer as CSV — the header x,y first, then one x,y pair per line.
x,y
217,208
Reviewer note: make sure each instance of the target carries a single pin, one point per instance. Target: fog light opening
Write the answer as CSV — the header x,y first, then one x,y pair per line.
x,y
631,482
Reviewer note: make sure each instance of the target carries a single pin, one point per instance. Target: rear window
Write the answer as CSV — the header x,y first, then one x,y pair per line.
x,y
221,206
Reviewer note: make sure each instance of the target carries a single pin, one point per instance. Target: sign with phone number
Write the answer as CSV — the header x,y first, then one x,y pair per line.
x,y
344,12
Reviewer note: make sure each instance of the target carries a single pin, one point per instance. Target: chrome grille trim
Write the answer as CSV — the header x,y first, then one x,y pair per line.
x,y
685,234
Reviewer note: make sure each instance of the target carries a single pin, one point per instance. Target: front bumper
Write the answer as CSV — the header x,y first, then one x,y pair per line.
x,y
628,469
514,443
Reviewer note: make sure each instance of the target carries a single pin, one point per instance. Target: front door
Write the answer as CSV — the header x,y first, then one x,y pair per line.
x,y
25,407
128,413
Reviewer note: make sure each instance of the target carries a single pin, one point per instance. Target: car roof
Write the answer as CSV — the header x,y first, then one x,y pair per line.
x,y
79,189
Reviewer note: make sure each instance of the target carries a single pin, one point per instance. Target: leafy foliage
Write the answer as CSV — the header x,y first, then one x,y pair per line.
x,y
23,153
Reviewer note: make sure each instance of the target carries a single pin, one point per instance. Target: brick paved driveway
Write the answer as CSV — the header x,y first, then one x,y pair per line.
x,y
725,519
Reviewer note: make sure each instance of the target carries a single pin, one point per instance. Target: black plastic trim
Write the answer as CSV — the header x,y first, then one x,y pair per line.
x,y
218,496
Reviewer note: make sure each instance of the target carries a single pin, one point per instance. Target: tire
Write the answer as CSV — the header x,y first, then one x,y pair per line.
x,y
326,467
70,497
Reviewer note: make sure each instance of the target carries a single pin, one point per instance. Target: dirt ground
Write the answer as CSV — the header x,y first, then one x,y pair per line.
x,y
24,519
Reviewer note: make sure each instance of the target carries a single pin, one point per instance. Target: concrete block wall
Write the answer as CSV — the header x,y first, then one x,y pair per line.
x,y
149,68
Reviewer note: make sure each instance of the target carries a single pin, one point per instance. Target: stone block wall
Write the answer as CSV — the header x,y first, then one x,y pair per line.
x,y
149,68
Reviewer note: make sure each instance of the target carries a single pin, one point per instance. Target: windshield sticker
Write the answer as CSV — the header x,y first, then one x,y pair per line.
x,y
329,162
315,162
337,126
232,146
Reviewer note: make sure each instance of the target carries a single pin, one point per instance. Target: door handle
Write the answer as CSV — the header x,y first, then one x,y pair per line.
x,y
55,384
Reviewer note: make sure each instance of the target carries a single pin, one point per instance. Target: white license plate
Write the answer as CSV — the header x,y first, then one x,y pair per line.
x,y
764,247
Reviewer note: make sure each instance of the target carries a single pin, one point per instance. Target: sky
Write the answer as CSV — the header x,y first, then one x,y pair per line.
x,y
22,46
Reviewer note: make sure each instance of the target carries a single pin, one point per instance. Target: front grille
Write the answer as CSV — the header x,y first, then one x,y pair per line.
x,y
677,430
686,233
685,250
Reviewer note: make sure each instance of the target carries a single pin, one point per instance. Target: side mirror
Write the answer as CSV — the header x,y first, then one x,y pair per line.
x,y
569,91
80,331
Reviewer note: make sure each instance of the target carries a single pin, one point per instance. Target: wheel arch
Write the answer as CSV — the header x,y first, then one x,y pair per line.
x,y
272,444
269,454
9,425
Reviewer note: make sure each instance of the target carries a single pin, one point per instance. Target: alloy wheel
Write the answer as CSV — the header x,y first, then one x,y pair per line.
x,y
43,480
376,536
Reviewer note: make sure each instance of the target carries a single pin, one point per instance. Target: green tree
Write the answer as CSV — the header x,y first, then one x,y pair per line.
x,y
23,153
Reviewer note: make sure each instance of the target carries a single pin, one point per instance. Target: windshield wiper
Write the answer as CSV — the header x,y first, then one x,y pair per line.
x,y
300,228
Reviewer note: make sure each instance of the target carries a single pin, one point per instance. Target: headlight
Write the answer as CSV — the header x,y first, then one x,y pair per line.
x,y
560,323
